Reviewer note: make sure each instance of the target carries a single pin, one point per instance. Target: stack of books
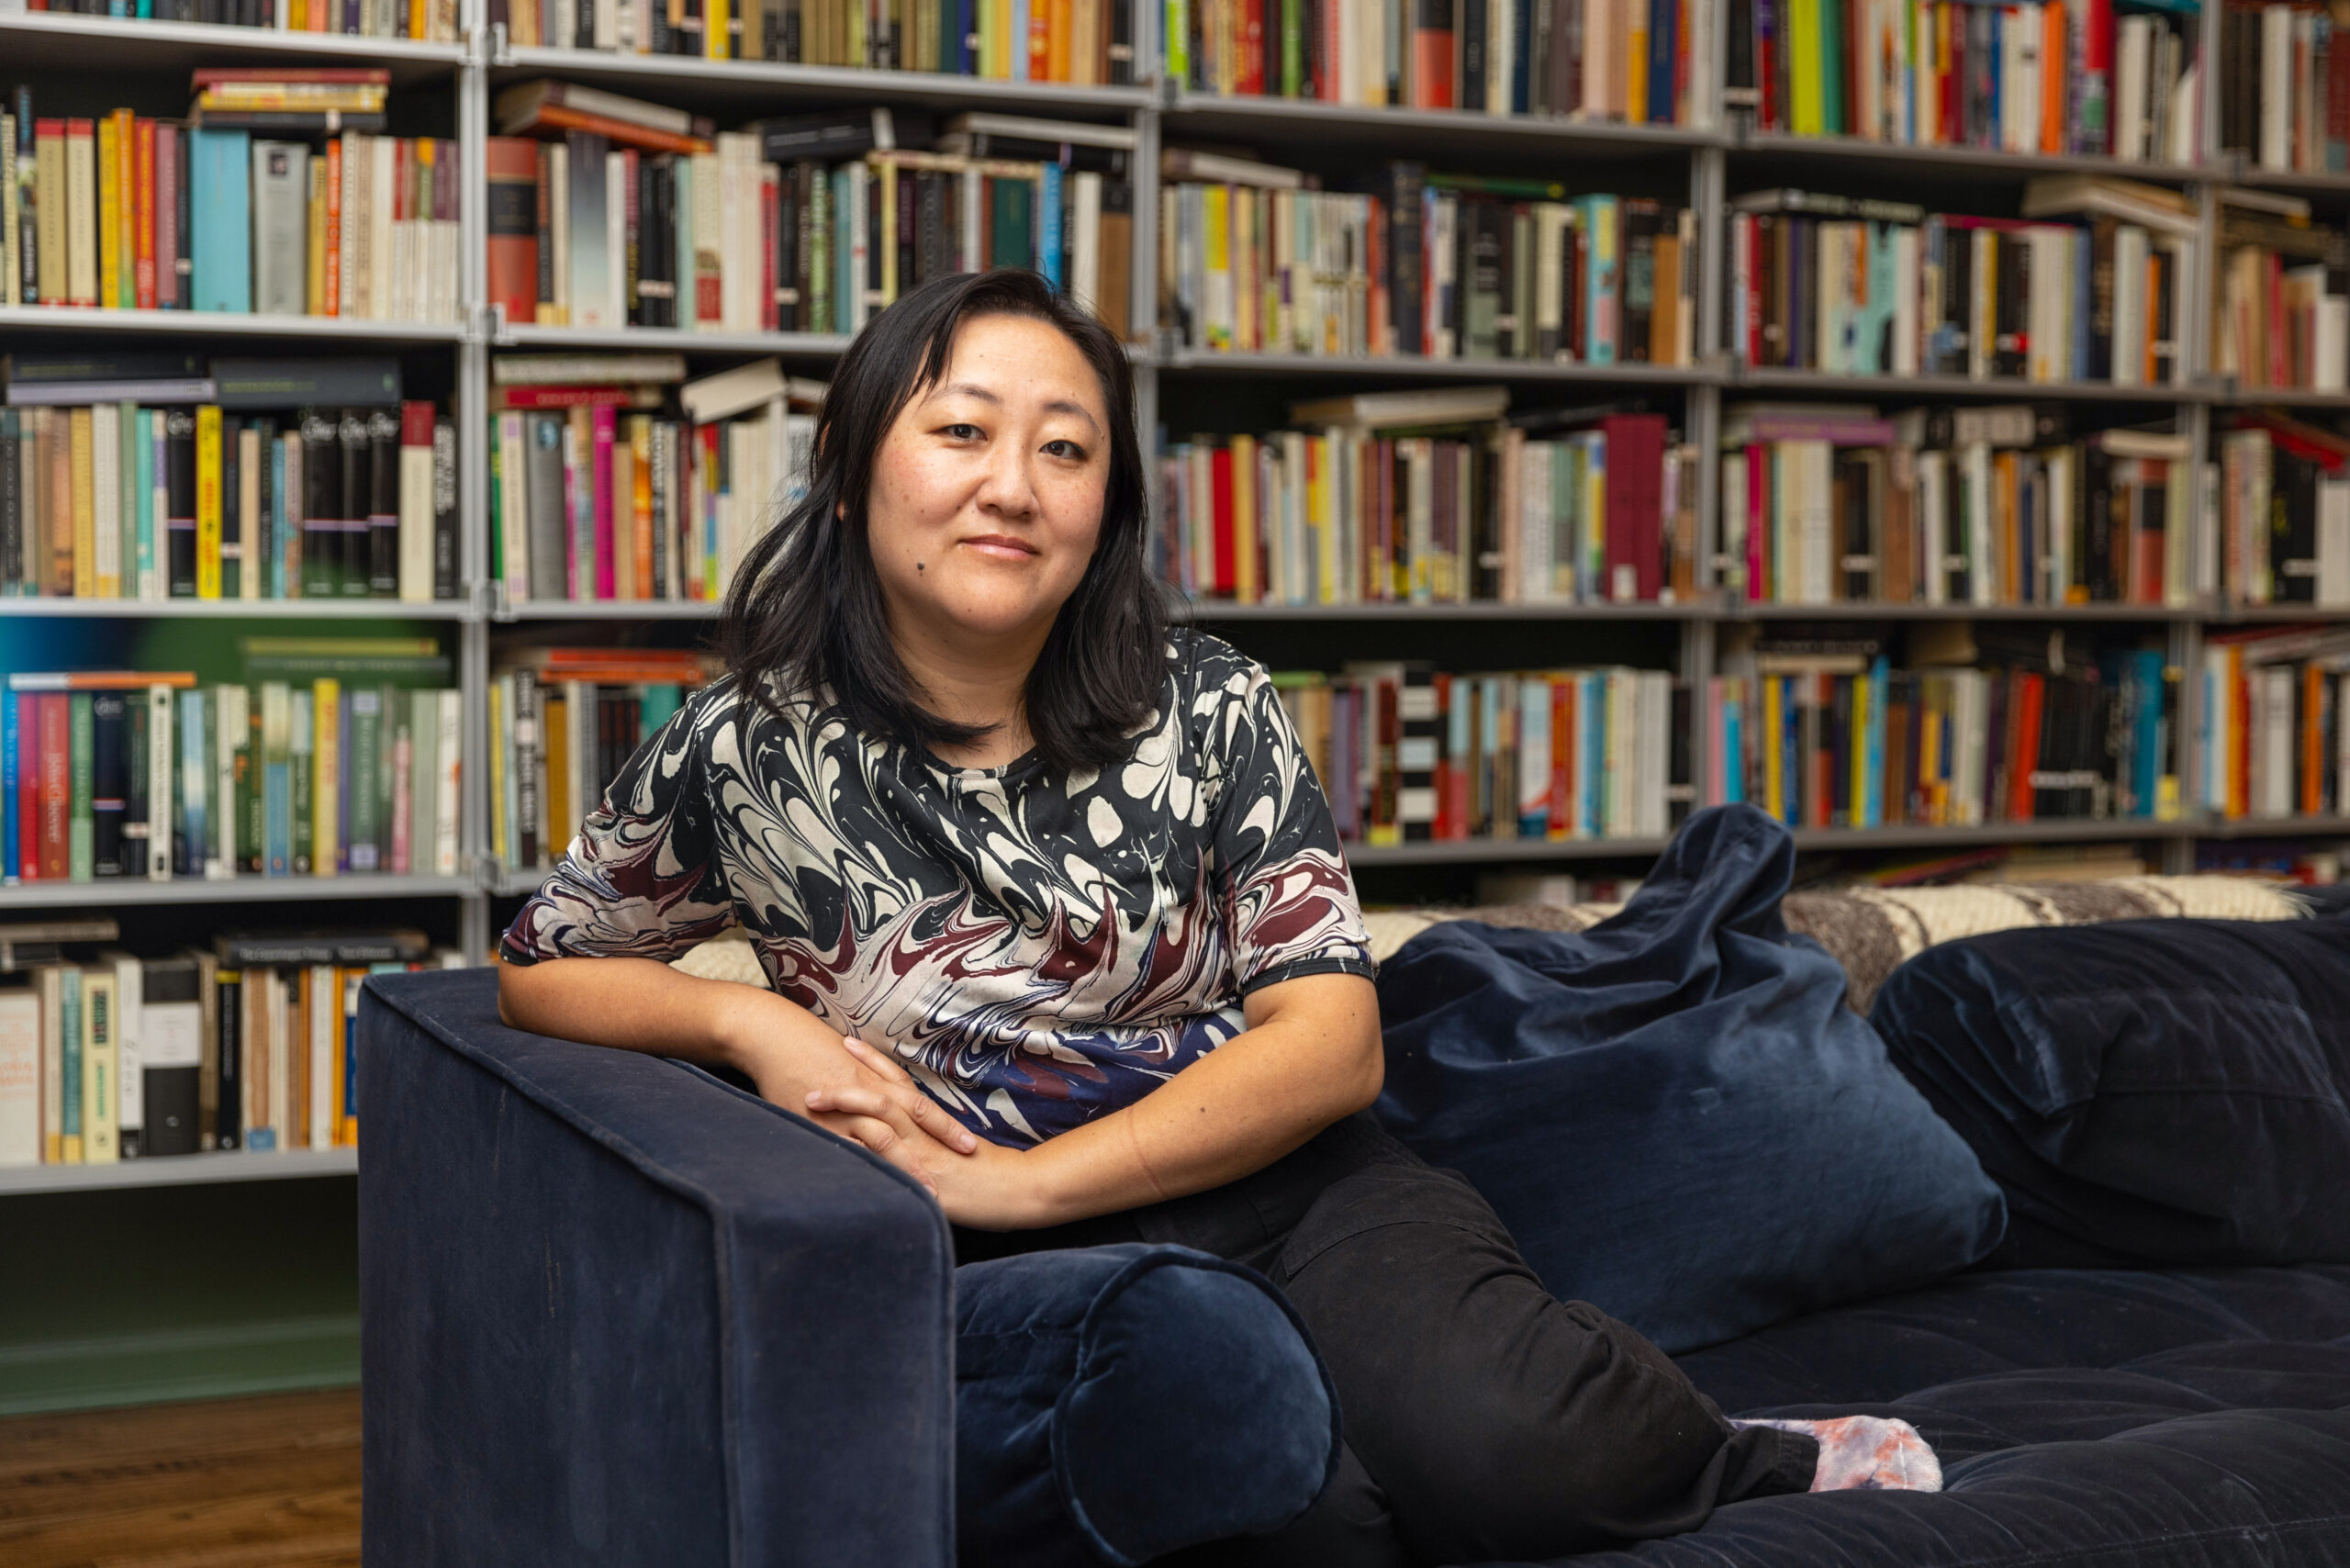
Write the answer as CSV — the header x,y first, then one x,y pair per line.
x,y
277,196
562,723
603,488
154,474
1254,259
2284,513
1634,61
1434,497
2046,78
631,214
244,1046
1408,754
1824,731
1827,502
333,757
425,21
1083,42
1865,287
2281,308
2273,741
2284,88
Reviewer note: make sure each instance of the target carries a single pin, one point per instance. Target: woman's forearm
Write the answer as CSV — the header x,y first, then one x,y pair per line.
x,y
1313,1059
637,1004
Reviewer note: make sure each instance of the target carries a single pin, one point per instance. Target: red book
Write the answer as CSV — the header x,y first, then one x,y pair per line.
x,y
2095,36
1252,49
1562,757
769,203
28,786
55,717
606,580
513,170
2313,740
331,294
1635,502
143,217
1228,575
1431,53
2027,749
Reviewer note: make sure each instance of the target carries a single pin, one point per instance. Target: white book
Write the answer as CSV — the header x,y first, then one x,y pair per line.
x,y
1905,301
281,201
2330,343
325,1013
1979,318
616,195
2050,253
1085,266
2207,535
2132,48
559,226
352,267
1933,507
2333,544
2131,308
447,761
607,26
248,501
2057,556
20,1078
2186,115
415,521
154,575
1814,461
1976,456
2276,88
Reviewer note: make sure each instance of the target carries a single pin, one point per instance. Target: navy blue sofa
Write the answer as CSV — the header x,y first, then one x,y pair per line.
x,y
616,1312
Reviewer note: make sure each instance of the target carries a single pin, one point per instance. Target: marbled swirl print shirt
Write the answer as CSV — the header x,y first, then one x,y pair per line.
x,y
1038,949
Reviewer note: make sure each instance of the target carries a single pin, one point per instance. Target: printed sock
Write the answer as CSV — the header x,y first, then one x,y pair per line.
x,y
1870,1452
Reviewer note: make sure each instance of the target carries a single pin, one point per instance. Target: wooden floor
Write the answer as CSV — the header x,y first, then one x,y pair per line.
x,y
270,1483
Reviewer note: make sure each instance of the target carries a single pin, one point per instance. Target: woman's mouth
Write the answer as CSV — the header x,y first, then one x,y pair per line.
x,y
1002,547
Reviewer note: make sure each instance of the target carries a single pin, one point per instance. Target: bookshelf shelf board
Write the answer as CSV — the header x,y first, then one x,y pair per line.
x,y
179,1170
2006,389
1416,367
238,609
1214,610
656,73
211,323
611,610
2057,830
126,890
57,41
1452,131
1857,610
2286,180
2272,828
2258,614
2283,398
1479,851
1860,149
806,345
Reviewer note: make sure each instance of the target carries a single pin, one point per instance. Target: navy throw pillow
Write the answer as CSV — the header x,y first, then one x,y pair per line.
x,y
1673,1112
2165,1091
1113,1404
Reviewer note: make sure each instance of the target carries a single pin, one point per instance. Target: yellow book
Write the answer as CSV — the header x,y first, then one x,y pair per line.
x,y
49,217
889,173
326,772
314,288
110,193
85,504
207,502
1929,751
1636,66
82,213
101,1093
1856,744
999,38
1244,519
1215,249
1808,109
1774,718
716,45
125,141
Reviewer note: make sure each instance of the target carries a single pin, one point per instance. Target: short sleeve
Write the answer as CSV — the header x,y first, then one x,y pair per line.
x,y
642,879
1288,900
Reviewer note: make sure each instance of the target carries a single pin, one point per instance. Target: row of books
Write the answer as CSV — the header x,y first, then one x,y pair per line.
x,y
2285,88
1862,288
1446,266
1635,62
140,774
563,722
125,499
1995,505
426,21
246,1045
1082,42
1433,498
1408,754
601,487
2281,307
1826,732
123,212
754,234
2034,78
2283,514
2274,743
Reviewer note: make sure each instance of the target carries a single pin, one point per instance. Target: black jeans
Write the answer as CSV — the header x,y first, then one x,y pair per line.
x,y
1483,1417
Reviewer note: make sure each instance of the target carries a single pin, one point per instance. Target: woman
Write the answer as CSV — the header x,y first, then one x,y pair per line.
x,y
1057,921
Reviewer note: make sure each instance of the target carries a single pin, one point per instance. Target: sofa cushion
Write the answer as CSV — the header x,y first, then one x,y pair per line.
x,y
1673,1112
2166,1091
2103,1419
1115,1403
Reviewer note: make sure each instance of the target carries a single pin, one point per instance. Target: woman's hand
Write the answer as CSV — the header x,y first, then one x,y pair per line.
x,y
792,1054
982,1185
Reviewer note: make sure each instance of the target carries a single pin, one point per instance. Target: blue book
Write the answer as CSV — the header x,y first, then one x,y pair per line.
x,y
9,784
1664,50
195,782
280,523
220,202
1733,748
277,812
1017,66
69,1053
1603,325
1880,683
144,423
958,48
2145,693
1591,702
1049,226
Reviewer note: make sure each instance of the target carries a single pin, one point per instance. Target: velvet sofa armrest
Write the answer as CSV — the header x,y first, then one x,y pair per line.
x,y
613,1311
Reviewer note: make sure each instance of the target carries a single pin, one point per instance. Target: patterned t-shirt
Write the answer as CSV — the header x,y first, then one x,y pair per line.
x,y
1039,949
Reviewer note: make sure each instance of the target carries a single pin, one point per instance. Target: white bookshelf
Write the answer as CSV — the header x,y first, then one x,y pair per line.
x,y
179,1170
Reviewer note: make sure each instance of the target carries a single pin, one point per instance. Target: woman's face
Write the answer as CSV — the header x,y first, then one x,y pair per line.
x,y
988,490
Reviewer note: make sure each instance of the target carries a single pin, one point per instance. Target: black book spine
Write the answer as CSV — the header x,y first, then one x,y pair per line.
x,y
354,570
1859,561
321,514
266,548
1473,44
1641,220
1405,185
228,1116
545,214
110,783
444,509
179,494
134,795
1122,44
28,221
383,504
233,532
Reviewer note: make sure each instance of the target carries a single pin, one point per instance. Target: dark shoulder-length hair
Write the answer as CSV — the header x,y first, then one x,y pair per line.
x,y
806,603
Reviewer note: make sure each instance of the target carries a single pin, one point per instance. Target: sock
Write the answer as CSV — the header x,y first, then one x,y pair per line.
x,y
1870,1452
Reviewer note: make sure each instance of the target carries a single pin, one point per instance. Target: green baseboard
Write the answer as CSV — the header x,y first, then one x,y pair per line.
x,y
219,1362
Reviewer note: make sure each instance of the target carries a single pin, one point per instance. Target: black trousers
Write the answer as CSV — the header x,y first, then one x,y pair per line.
x,y
1483,1417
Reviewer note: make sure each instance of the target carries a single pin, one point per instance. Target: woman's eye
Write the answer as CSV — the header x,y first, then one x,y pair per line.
x,y
1067,449
962,432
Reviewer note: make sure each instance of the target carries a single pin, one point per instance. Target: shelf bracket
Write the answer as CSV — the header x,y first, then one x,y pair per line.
x,y
486,46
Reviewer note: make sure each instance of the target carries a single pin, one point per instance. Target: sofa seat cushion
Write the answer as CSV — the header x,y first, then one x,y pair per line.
x,y
2104,1418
